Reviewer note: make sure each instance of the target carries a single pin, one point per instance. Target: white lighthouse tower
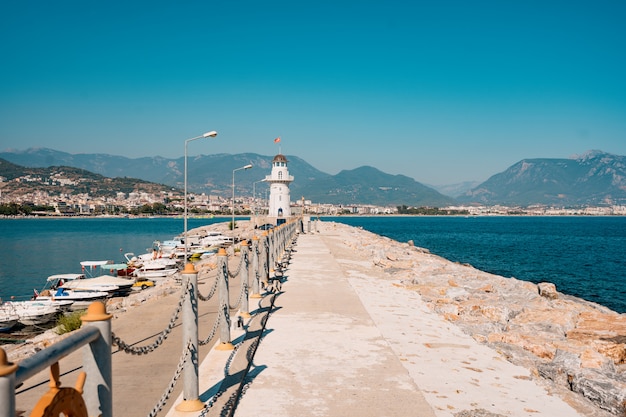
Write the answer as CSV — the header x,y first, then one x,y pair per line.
x,y
279,179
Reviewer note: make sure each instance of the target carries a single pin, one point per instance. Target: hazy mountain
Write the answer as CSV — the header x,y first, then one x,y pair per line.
x,y
367,184
455,190
595,178
69,181
213,174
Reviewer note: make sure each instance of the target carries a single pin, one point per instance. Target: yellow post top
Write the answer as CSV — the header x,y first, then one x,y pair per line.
x,y
244,243
264,234
222,252
6,367
189,269
96,311
255,237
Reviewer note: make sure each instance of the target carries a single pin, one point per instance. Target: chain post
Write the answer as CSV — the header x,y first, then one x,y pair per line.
x,y
265,255
97,363
256,287
222,276
271,254
244,311
191,397
7,385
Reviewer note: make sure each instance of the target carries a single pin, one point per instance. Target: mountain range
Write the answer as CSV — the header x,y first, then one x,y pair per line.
x,y
594,178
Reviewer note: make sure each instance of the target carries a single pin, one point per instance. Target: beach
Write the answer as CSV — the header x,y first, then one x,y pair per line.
x,y
572,349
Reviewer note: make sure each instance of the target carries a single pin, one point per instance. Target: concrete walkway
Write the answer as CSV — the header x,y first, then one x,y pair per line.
x,y
343,339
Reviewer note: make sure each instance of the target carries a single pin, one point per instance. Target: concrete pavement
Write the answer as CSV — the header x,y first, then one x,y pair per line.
x,y
345,339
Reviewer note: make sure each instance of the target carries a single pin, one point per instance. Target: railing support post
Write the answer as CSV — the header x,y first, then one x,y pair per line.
x,y
97,390
191,397
256,287
271,254
224,309
265,254
7,385
245,279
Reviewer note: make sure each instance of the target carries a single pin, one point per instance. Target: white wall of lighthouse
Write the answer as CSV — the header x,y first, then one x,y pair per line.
x,y
279,179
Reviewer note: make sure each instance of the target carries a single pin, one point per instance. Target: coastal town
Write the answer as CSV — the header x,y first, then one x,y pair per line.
x,y
54,200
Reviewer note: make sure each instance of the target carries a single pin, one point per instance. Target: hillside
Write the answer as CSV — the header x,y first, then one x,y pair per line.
x,y
58,181
593,179
212,174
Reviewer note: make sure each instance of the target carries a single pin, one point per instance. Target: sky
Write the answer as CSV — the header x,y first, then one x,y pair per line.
x,y
443,91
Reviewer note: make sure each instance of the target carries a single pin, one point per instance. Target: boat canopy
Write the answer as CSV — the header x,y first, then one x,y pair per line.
x,y
93,264
115,267
65,277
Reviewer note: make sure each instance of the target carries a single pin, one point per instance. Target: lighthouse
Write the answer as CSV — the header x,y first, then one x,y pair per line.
x,y
279,180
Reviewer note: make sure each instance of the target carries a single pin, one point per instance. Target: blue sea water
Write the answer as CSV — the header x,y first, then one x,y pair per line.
x,y
32,249
582,256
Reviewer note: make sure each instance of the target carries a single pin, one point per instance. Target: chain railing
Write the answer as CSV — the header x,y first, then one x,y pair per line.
x,y
170,388
252,270
142,350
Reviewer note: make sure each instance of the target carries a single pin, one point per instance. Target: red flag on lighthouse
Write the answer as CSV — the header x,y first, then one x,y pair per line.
x,y
277,140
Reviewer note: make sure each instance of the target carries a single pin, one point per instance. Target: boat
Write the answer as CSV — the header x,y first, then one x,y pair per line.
x,y
33,313
89,267
149,268
114,286
155,269
54,291
8,320
118,270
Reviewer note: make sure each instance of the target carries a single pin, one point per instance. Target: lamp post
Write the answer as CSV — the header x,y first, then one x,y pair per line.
x,y
210,134
233,201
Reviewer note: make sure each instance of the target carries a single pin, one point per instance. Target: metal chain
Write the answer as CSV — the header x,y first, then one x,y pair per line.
x,y
168,391
141,350
234,274
212,333
211,293
242,293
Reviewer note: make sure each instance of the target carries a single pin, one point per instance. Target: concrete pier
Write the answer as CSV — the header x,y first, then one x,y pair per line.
x,y
342,339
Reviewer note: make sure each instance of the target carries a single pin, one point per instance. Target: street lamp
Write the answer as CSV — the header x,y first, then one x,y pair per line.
x,y
210,134
233,201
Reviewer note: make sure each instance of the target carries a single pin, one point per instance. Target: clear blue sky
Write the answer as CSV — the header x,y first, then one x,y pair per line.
x,y
442,91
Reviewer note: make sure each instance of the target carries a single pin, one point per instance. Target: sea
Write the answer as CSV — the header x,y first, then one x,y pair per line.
x,y
32,249
583,256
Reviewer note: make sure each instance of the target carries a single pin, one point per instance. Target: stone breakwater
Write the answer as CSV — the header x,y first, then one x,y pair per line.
x,y
573,347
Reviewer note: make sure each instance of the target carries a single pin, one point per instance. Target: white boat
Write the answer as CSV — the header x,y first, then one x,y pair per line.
x,y
105,283
89,267
54,291
216,239
149,268
8,319
155,269
33,313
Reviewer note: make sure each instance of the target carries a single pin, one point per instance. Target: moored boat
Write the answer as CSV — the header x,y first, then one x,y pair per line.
x,y
33,313
55,289
8,320
115,286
